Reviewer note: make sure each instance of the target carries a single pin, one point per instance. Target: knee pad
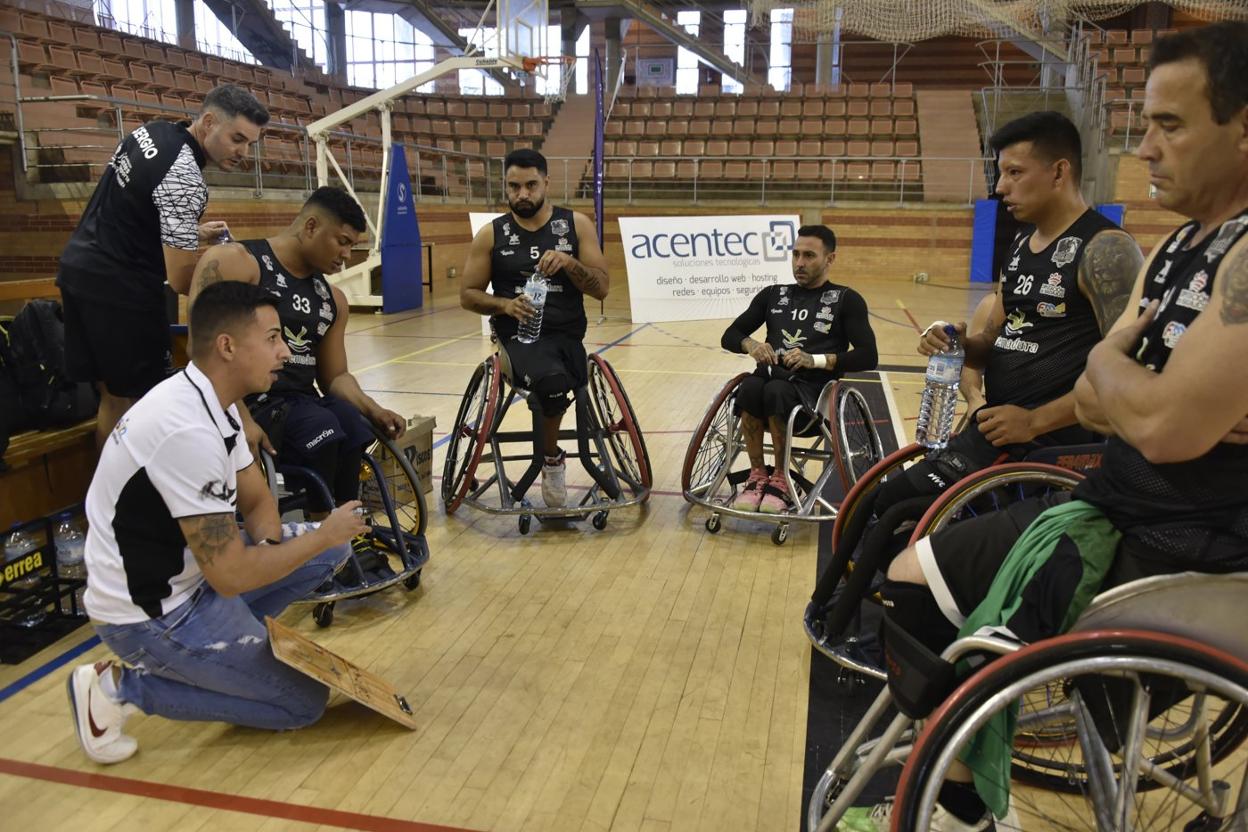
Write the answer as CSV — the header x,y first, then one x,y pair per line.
x,y
346,482
551,393
914,631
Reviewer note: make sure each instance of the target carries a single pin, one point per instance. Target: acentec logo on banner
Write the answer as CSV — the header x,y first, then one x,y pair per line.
x,y
702,268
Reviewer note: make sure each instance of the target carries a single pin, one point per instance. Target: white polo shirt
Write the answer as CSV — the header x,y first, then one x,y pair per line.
x,y
175,454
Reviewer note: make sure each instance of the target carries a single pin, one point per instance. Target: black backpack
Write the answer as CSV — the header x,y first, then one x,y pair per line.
x,y
35,360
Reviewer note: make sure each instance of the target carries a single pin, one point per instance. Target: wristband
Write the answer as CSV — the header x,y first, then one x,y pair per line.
x,y
821,361
933,325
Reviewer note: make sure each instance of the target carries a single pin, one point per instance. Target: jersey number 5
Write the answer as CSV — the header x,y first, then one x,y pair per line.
x,y
534,253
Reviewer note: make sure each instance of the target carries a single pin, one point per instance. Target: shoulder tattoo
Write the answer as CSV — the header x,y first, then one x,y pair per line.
x,y
1234,281
1108,272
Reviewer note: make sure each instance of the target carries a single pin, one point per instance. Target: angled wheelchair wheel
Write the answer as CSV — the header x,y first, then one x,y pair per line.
x,y
710,445
993,489
470,433
397,486
1155,723
858,442
616,415
867,483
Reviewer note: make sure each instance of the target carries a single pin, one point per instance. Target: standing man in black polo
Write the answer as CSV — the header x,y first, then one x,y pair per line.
x,y
140,229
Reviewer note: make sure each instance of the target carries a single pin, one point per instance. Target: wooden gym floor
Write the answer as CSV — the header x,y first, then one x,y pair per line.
x,y
650,676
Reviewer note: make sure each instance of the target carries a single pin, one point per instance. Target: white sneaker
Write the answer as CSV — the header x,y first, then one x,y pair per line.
x,y
554,483
878,818
98,720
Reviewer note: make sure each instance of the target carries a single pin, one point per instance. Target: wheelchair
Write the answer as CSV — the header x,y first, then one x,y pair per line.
x,y
608,440
846,444
394,509
1132,720
835,606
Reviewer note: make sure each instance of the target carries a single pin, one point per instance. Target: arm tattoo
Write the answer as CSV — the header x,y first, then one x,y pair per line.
x,y
210,275
585,278
1107,273
211,536
1235,289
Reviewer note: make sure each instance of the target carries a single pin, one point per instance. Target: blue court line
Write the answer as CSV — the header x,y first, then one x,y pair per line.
x,y
606,347
39,672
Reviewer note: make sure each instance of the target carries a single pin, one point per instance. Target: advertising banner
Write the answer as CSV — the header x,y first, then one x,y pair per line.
x,y
701,268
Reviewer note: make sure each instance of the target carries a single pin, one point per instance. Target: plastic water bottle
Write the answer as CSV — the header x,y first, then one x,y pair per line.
x,y
16,547
71,545
940,394
225,237
536,288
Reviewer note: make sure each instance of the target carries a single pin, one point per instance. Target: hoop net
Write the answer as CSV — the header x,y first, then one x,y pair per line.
x,y
565,65
914,20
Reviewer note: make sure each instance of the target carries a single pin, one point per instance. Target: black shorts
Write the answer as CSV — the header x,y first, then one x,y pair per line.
x,y
129,350
552,354
774,392
306,424
960,562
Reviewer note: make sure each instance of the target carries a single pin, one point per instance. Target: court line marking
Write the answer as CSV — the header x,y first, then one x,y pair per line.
x,y
913,322
430,348
893,413
43,670
217,800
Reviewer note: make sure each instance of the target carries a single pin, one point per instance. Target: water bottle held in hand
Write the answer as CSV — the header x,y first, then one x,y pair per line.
x,y
940,394
536,288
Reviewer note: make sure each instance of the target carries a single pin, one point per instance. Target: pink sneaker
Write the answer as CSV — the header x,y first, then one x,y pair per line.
x,y
776,498
752,494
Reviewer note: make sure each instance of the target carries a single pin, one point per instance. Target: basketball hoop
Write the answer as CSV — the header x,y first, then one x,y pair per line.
x,y
540,67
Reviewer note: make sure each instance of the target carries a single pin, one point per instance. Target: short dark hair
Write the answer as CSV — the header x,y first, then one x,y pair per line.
x,y
233,100
525,158
221,306
1052,137
824,233
1222,48
339,204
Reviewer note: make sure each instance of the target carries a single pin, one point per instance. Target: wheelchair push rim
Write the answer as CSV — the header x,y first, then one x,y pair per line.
x,y
868,481
720,422
403,493
1002,484
858,448
618,421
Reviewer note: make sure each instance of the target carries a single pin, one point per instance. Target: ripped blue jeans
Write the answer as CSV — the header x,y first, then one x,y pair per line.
x,y
209,658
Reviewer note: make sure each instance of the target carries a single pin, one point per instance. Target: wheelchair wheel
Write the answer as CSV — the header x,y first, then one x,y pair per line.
x,y
398,485
858,442
993,489
710,444
867,483
470,434
1167,709
616,416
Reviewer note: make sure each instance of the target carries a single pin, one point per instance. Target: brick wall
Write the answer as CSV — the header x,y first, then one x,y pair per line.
x,y
1147,221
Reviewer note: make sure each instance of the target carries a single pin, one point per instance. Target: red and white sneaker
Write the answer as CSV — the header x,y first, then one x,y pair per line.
x,y
98,720
752,494
776,499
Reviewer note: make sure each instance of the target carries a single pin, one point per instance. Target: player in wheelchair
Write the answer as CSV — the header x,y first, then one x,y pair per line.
x,y
546,371
816,332
1142,710
1066,280
334,445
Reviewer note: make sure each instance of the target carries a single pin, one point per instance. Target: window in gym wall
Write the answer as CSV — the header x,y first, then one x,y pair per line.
x,y
384,49
734,45
582,65
211,35
474,81
306,21
780,73
686,61
157,19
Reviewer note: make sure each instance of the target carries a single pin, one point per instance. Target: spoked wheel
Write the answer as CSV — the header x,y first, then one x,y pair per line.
x,y
858,447
398,486
470,433
1154,724
710,444
993,489
616,415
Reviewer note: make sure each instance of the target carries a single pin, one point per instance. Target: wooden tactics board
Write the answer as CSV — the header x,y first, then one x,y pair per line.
x,y
310,658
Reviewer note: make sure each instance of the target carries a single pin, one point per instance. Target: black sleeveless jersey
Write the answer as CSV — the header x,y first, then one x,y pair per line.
x,y
811,320
1193,514
1050,327
515,254
307,310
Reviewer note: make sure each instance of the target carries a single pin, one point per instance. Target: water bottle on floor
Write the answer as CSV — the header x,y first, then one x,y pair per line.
x,y
536,288
940,394
17,546
71,545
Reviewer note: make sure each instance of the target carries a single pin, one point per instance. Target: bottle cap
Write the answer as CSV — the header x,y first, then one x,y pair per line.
x,y
951,330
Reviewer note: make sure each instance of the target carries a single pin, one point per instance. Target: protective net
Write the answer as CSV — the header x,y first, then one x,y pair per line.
x,y
914,20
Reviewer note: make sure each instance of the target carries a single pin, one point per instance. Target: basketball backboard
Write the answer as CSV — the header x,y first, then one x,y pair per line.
x,y
522,28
